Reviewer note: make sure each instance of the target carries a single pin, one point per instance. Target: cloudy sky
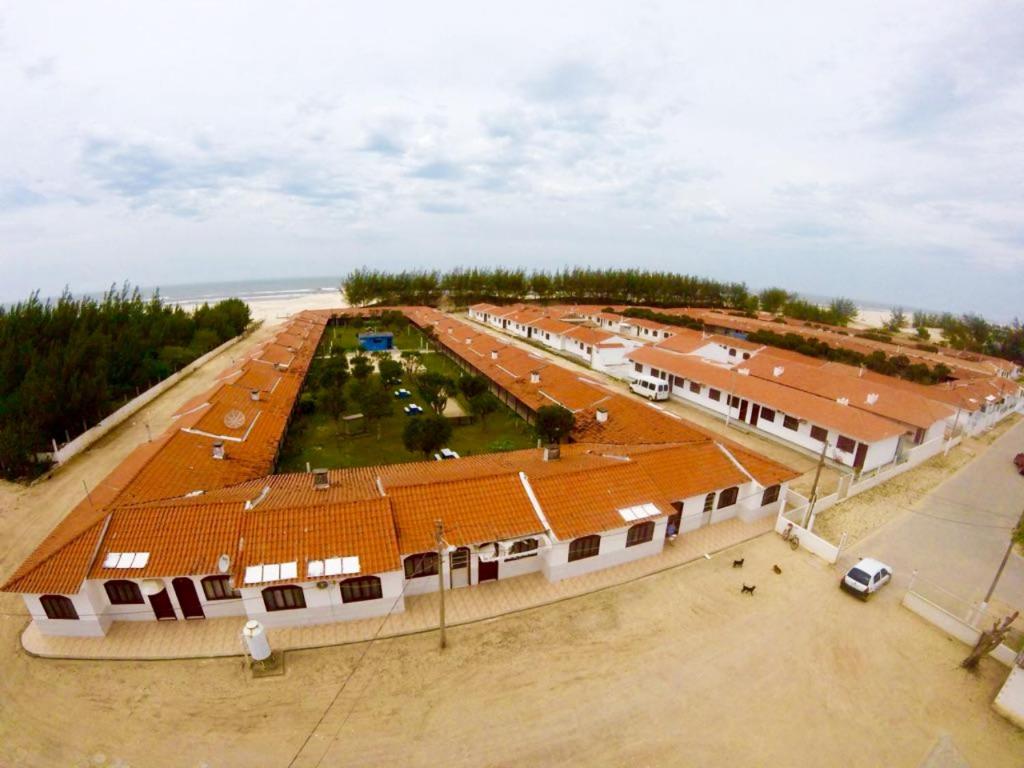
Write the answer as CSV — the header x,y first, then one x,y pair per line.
x,y
873,150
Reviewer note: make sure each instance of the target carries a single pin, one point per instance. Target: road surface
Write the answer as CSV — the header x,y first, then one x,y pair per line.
x,y
956,535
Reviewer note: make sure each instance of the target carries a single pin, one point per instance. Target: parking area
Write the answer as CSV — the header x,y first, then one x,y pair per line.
x,y
676,669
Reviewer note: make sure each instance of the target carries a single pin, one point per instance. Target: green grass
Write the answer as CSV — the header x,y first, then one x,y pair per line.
x,y
321,441
347,336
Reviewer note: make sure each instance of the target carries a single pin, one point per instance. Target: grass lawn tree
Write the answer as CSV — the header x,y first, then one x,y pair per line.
x,y
390,372
436,388
412,361
482,404
332,401
553,422
361,366
427,434
372,398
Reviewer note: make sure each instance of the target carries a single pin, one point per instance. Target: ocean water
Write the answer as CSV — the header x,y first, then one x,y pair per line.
x,y
247,290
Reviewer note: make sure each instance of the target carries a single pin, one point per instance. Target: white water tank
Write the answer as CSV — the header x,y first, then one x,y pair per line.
x,y
256,640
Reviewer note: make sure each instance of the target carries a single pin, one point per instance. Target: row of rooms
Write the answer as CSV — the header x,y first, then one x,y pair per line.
x,y
91,611
842,449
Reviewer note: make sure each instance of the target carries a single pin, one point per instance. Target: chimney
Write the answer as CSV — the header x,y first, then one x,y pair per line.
x,y
320,480
494,354
254,394
218,449
860,373
552,452
777,371
602,416
872,398
535,377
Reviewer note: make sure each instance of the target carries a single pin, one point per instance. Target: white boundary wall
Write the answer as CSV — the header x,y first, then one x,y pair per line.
x,y
809,541
94,433
952,625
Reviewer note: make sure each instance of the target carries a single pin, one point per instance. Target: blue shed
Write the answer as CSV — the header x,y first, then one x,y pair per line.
x,y
374,340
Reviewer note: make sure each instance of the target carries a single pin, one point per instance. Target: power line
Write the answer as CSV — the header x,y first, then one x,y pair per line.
x,y
959,522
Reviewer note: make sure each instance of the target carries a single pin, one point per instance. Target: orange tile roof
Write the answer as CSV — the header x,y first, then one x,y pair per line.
x,y
474,511
900,405
364,529
551,325
589,502
142,505
818,410
590,335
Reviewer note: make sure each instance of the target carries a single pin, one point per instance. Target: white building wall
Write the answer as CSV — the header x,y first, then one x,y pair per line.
x,y
324,606
613,551
91,621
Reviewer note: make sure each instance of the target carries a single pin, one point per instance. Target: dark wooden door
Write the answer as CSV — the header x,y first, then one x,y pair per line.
x,y
488,570
755,411
162,606
185,590
862,453
743,410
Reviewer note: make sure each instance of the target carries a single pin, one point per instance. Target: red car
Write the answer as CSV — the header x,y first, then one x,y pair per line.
x,y
1018,461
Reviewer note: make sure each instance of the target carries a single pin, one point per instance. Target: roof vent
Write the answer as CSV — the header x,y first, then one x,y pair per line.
x,y
602,416
843,400
281,367
320,479
494,354
535,377
254,394
777,371
872,398
223,563
218,450
552,452
743,371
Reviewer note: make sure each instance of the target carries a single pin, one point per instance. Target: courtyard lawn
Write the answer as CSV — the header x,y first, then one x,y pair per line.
x,y
321,441
347,336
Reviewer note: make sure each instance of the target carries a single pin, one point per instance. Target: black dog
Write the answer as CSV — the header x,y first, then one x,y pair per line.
x,y
748,590
738,563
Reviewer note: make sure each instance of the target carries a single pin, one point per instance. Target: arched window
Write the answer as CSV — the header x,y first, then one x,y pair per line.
x,y
122,592
423,564
219,588
284,598
587,546
523,548
58,607
709,502
728,497
771,494
361,588
640,533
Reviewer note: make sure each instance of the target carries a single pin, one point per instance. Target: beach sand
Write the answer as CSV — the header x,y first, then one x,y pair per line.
x,y
275,310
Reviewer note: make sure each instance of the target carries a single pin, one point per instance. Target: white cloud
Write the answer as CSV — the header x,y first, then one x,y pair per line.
x,y
864,149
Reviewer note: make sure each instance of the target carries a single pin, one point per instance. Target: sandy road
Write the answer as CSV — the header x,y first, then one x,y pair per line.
x,y
676,669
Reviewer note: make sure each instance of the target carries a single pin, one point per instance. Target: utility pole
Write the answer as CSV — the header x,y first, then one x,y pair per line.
x,y
814,488
952,433
992,588
439,532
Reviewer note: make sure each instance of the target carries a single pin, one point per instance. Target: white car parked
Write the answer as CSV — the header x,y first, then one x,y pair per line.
x,y
866,577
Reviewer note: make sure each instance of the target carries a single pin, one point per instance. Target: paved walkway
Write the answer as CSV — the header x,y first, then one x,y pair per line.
x,y
221,637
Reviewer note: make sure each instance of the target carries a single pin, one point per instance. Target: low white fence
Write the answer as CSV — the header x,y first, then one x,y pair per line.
x,y
790,520
957,617
94,433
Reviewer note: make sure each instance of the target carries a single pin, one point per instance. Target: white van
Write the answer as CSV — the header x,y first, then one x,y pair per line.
x,y
650,387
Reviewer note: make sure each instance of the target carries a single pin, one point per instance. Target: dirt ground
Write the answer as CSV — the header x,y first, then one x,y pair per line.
x,y
676,669
872,509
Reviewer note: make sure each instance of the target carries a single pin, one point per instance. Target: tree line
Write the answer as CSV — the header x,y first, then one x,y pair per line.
x,y
467,286
66,364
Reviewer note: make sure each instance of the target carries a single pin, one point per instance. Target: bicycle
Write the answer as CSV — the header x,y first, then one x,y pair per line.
x,y
792,538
